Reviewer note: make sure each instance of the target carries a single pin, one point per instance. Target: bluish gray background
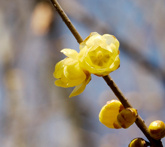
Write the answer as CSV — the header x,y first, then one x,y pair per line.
x,y
36,113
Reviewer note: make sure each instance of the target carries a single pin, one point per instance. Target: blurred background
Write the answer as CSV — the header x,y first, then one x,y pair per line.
x,y
36,113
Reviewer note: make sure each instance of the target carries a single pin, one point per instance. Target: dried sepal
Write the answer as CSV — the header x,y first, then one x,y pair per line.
x,y
127,117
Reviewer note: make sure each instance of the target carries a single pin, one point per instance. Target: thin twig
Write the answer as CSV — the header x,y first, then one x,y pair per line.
x,y
117,91
67,21
139,122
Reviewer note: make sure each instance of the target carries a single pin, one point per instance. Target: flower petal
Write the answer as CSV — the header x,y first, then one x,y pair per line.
x,y
109,112
111,39
59,69
115,65
74,74
80,88
61,83
83,44
70,53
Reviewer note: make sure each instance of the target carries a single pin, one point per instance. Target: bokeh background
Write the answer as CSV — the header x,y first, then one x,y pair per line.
x,y
36,113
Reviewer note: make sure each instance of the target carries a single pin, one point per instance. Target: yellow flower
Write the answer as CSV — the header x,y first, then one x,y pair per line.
x,y
109,112
70,74
99,54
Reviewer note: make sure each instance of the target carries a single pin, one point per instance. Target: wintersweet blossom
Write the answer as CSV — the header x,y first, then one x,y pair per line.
x,y
70,74
99,54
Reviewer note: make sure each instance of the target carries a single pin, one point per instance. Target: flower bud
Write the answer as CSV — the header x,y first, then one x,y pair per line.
x,y
127,117
157,129
109,112
138,142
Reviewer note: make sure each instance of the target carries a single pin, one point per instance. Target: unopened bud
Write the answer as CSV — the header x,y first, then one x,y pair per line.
x,y
157,129
138,142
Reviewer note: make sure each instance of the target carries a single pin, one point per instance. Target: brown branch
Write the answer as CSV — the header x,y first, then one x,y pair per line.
x,y
139,122
117,91
67,21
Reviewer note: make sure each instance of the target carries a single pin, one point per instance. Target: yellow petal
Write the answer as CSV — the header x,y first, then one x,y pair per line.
x,y
109,112
83,44
59,69
95,40
111,39
74,74
115,65
61,84
80,88
70,53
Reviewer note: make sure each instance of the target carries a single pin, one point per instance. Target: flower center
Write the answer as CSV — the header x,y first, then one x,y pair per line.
x,y
99,55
